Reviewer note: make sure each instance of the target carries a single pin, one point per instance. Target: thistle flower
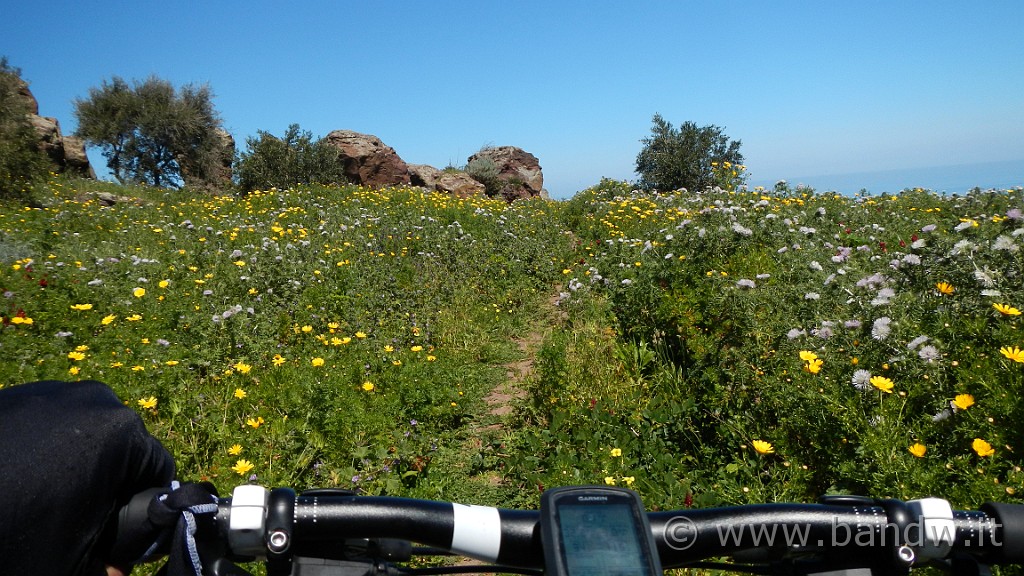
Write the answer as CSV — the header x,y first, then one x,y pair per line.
x,y
880,328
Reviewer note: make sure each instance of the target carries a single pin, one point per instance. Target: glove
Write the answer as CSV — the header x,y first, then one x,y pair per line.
x,y
71,454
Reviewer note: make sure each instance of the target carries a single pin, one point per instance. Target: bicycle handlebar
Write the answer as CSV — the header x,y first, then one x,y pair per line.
x,y
846,531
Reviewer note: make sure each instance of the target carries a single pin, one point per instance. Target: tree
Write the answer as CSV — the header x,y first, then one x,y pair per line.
x,y
293,159
21,160
686,157
149,132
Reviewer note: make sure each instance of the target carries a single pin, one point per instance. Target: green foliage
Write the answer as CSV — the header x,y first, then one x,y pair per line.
x,y
151,133
691,318
485,171
22,163
293,159
689,157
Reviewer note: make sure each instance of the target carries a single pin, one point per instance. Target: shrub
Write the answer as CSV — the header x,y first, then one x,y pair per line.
x,y
485,171
295,158
689,157
21,161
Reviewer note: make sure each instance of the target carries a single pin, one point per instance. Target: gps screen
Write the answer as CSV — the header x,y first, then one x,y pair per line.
x,y
601,541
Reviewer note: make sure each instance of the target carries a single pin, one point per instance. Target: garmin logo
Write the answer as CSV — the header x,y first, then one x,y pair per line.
x,y
592,498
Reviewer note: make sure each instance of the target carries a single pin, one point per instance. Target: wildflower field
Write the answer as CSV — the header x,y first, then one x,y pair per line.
x,y
702,348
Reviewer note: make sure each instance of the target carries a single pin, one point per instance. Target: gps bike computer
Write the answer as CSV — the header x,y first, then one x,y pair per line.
x,y
596,531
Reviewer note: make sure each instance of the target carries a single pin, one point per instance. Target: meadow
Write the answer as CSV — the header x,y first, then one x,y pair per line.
x,y
728,346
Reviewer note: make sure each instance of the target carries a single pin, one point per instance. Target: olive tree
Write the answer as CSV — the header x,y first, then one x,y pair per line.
x,y
150,132
686,157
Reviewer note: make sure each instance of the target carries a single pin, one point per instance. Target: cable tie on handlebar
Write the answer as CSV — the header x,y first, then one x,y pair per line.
x,y
178,509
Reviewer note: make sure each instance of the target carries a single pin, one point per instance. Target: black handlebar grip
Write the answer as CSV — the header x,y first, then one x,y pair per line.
x,y
1009,545
135,532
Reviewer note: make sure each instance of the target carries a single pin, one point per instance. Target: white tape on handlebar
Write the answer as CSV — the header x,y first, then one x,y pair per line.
x,y
477,532
935,517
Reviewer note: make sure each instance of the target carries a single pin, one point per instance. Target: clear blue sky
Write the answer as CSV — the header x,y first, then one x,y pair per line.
x,y
810,88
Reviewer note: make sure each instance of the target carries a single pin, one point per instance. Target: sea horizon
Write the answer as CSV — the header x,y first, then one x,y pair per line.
x,y
950,179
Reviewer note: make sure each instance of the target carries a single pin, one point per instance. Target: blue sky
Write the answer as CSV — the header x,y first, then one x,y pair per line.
x,y
816,91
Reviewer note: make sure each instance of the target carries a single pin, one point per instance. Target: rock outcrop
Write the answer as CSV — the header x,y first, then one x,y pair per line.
x,y
368,161
423,175
519,171
66,153
458,183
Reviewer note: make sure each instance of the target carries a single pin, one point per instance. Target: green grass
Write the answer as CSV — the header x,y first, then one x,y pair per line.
x,y
339,336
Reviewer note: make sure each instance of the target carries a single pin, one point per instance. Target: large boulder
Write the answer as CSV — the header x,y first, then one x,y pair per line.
x,y
423,175
518,170
459,184
368,161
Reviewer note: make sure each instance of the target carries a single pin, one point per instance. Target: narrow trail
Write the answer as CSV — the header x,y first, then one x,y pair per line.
x,y
502,399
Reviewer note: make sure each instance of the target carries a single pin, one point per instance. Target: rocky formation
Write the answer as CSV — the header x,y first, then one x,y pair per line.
x,y
423,175
368,161
66,153
519,171
458,183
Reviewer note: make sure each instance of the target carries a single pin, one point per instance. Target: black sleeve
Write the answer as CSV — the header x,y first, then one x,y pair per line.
x,y
70,455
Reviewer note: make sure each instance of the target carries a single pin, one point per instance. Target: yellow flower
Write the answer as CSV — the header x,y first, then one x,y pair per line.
x,y
431,358
171,363
242,467
139,292
138,368
982,448
1014,353
239,263
235,449
1006,310
239,393
278,360
368,386
360,334
81,306
255,422
134,318
318,361
346,339
762,447
609,480
108,319
242,367
963,401
307,328
944,288
628,480
164,283
416,348
76,356
73,370
616,452
814,366
148,403
807,355
389,348
918,449
882,383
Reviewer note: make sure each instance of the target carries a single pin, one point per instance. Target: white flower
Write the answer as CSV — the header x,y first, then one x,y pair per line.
x,y
880,328
861,380
1004,242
